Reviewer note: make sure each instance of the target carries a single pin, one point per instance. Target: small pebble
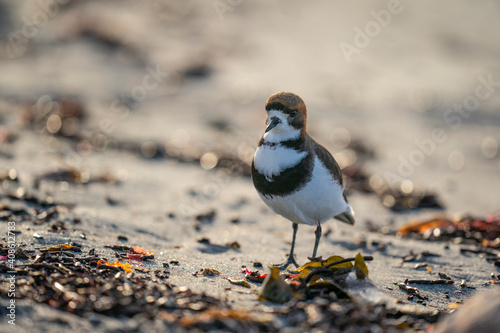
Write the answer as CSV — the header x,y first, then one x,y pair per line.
x,y
257,264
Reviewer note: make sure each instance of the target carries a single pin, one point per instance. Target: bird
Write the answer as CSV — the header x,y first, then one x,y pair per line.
x,y
294,175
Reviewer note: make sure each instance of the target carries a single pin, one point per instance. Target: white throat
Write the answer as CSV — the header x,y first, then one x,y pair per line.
x,y
272,160
283,131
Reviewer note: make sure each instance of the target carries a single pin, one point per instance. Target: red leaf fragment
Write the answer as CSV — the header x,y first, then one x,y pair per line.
x,y
254,276
137,253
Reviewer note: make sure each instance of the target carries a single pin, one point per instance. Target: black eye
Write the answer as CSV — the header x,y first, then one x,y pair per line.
x,y
293,113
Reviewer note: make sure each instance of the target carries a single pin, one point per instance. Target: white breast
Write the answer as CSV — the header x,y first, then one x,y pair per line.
x,y
320,200
271,160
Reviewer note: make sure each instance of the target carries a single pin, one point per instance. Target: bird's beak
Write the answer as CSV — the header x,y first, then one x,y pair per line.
x,y
274,122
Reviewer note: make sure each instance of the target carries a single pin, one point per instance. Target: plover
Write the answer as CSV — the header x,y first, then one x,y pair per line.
x,y
294,175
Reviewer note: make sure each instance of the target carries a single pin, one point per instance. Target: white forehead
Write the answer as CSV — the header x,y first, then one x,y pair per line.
x,y
277,113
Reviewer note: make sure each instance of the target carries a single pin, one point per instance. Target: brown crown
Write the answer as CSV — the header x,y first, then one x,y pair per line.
x,y
286,101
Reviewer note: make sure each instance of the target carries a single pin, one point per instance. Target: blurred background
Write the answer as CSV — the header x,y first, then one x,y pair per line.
x,y
135,122
410,89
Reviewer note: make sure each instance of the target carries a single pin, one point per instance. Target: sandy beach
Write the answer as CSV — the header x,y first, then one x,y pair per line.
x,y
134,124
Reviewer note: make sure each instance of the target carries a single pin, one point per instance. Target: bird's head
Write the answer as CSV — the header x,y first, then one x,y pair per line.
x,y
286,117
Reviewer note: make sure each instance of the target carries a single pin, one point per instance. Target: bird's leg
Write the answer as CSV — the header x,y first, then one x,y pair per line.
x,y
317,233
295,227
291,259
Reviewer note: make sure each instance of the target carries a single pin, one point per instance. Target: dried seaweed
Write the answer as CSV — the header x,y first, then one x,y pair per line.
x,y
479,235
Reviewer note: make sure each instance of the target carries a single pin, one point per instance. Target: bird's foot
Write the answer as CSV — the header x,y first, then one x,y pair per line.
x,y
320,258
290,261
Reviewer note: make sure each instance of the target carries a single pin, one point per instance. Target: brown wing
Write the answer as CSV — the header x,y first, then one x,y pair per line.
x,y
328,161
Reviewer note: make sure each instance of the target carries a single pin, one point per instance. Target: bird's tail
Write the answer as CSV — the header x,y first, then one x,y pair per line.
x,y
347,216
